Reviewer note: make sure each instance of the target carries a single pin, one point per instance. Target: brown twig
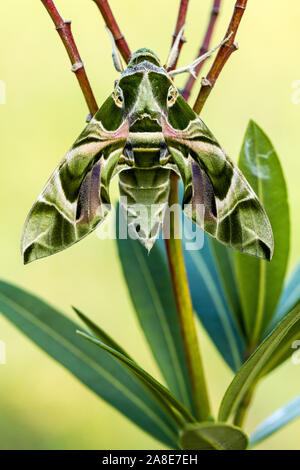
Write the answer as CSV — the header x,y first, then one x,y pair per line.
x,y
111,23
64,30
180,22
203,49
223,55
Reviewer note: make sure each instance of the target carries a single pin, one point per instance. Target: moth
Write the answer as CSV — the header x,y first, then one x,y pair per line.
x,y
144,131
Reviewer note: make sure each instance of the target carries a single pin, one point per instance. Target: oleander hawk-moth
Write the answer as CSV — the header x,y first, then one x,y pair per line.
x,y
143,132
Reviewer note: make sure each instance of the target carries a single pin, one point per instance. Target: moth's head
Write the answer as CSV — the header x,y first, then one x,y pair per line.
x,y
145,90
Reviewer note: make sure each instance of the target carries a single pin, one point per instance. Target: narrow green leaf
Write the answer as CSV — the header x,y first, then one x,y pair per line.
x,y
211,306
260,283
56,335
224,259
212,436
290,294
101,334
251,370
160,392
276,421
285,349
149,284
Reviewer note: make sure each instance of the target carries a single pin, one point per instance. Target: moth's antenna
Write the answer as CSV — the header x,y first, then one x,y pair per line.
x,y
174,50
191,67
115,55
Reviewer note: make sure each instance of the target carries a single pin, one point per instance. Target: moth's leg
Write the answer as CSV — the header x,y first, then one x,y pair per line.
x,y
115,55
174,50
191,67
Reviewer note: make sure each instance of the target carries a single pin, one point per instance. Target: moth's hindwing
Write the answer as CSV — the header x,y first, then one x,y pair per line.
x,y
218,197
75,198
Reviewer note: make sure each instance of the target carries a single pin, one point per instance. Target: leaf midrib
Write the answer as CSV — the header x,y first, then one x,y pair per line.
x,y
219,307
164,324
60,339
268,345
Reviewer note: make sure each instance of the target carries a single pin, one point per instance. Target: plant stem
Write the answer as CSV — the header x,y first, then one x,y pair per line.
x,y
64,30
180,22
185,311
203,49
111,23
223,55
242,409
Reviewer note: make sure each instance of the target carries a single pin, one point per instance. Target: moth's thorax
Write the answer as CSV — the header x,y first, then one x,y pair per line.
x,y
145,150
145,86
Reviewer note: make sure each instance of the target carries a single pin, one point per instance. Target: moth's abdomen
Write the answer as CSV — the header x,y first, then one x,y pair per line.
x,y
144,197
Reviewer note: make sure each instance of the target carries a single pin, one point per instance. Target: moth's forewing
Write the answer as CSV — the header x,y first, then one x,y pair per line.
x,y
232,211
72,202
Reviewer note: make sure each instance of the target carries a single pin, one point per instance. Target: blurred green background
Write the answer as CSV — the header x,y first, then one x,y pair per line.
x,y
41,405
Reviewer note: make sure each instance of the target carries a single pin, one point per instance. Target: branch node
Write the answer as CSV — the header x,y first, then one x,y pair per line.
x,y
89,117
182,39
222,56
64,30
118,38
206,82
76,66
215,11
65,23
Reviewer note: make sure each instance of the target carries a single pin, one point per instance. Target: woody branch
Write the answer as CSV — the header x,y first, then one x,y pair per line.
x,y
64,30
203,49
182,12
223,55
111,23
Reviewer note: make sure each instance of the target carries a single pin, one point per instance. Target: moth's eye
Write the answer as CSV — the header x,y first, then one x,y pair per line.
x,y
118,96
172,96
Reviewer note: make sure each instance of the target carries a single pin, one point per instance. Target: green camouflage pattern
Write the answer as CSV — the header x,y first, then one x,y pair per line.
x,y
142,132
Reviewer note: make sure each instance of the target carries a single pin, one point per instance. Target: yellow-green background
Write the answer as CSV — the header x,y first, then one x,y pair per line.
x,y
41,404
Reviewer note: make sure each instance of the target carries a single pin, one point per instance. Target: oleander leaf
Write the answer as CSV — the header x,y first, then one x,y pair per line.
x,y
260,283
212,436
161,393
285,349
101,334
290,294
211,305
56,334
224,261
289,297
250,372
276,421
149,284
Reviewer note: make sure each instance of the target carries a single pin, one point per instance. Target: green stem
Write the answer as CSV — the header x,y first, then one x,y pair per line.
x,y
185,311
